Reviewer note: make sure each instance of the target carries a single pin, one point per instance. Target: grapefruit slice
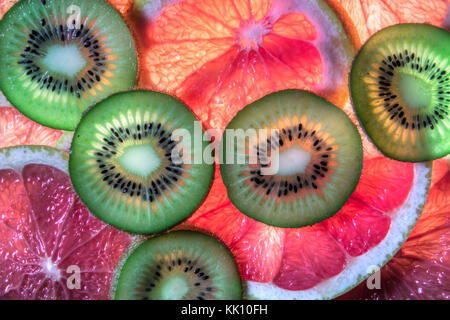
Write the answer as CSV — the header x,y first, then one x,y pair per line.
x,y
327,259
372,16
420,270
51,247
218,56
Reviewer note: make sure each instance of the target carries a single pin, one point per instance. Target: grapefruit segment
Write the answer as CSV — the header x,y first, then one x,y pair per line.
x,y
258,252
16,129
219,216
202,85
51,196
18,231
225,221
225,11
310,256
440,169
5,5
299,56
165,54
295,26
121,5
95,248
194,22
258,8
435,217
420,270
384,183
18,242
358,227
80,222
47,234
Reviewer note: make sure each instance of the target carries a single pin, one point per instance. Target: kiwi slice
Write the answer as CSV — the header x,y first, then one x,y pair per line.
x,y
400,83
60,56
319,159
130,169
180,265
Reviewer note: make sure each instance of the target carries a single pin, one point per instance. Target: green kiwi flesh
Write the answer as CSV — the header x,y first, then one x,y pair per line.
x,y
320,160
59,57
122,166
180,265
400,87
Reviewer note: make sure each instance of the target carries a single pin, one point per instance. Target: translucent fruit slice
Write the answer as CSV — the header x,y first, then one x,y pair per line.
x,y
315,155
64,56
51,247
399,83
125,161
328,259
218,56
180,265
420,270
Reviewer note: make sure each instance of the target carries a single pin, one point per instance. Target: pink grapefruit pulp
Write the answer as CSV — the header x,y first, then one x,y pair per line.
x,y
16,129
218,56
420,269
51,247
299,259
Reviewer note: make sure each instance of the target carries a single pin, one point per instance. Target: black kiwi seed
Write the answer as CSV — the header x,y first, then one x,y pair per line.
x,y
392,105
282,188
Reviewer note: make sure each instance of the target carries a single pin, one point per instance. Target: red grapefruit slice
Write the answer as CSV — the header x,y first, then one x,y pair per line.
x,y
420,270
329,258
218,56
51,247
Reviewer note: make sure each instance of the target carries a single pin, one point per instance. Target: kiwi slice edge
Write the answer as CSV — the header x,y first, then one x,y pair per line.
x,y
101,174
56,63
182,264
400,91
297,199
